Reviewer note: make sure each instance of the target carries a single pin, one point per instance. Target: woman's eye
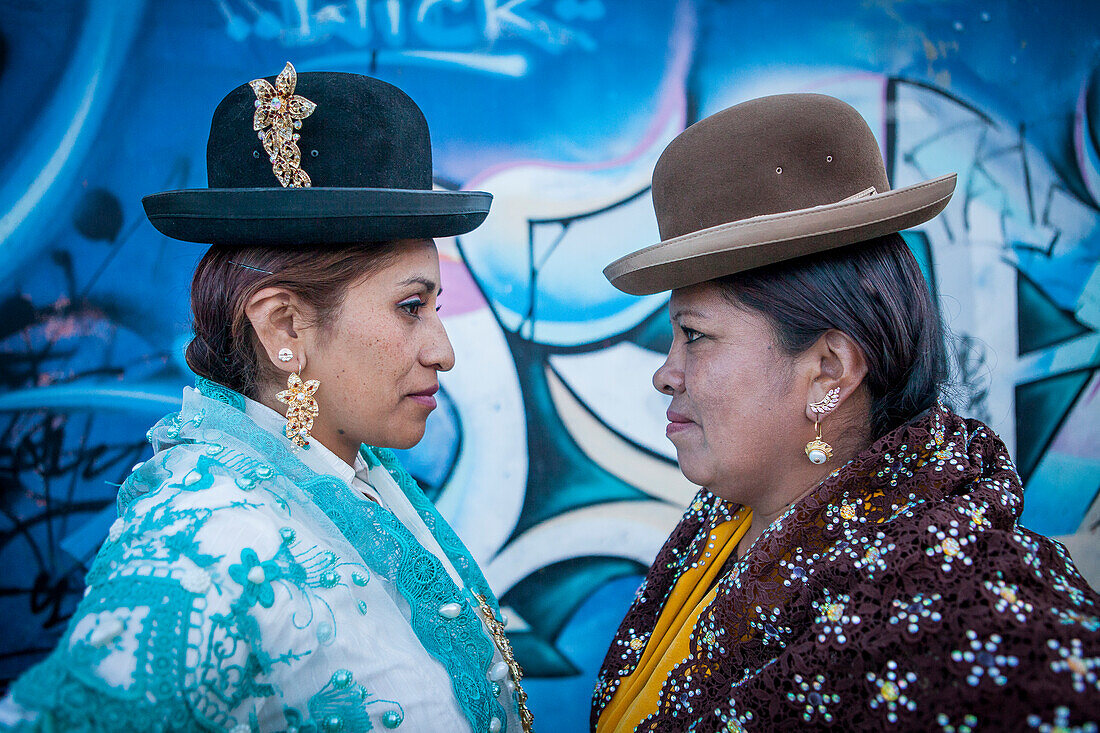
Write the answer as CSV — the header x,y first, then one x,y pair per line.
x,y
412,307
690,334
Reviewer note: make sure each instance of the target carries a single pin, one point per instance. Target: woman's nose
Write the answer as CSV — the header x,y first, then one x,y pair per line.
x,y
438,352
669,378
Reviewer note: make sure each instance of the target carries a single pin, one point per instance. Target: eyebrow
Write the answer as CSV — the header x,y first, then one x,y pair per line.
x,y
428,283
681,312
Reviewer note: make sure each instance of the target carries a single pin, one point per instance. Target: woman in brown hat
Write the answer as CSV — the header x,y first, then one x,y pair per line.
x,y
854,559
273,567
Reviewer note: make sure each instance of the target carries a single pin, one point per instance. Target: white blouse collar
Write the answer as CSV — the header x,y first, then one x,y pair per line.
x,y
316,456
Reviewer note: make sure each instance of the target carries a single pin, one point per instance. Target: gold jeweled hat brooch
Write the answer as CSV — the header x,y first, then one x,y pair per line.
x,y
281,111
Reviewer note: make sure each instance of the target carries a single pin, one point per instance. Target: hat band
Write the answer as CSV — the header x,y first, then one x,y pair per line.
x,y
869,191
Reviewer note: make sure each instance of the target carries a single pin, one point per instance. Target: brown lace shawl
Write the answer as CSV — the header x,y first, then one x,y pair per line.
x,y
900,593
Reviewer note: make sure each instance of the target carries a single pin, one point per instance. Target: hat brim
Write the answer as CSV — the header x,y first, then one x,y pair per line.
x,y
762,240
297,216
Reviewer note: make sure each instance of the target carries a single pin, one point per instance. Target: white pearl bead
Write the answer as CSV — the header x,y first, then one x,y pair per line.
x,y
498,671
256,575
494,725
450,610
817,456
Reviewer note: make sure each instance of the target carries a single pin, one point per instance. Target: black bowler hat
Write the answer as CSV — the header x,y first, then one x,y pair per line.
x,y
317,158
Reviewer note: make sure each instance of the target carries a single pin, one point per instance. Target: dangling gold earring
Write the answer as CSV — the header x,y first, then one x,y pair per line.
x,y
301,406
817,450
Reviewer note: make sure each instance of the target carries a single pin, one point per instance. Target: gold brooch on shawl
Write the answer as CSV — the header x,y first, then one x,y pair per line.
x,y
500,638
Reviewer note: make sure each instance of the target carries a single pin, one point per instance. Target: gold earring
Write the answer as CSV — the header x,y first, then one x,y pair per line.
x,y
817,450
301,407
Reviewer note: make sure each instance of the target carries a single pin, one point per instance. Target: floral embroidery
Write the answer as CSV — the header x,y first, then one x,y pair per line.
x,y
976,513
843,513
1073,616
799,567
1073,660
192,622
1031,552
891,688
1008,599
983,660
256,578
813,700
833,614
951,544
768,622
874,555
916,609
1076,595
734,721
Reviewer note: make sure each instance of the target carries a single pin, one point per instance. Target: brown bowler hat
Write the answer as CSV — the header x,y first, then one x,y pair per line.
x,y
768,180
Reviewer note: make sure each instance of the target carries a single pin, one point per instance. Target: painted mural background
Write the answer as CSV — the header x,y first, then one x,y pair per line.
x,y
548,454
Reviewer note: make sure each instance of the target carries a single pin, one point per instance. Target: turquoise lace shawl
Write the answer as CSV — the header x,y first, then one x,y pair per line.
x,y
178,684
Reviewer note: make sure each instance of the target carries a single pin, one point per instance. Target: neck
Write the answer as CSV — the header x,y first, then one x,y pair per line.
x,y
334,441
768,505
344,449
764,514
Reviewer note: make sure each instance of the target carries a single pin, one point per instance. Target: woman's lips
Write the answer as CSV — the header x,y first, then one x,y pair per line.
x,y
425,397
676,423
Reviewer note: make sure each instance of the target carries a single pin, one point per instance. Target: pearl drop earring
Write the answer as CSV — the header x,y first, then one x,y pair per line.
x,y
817,450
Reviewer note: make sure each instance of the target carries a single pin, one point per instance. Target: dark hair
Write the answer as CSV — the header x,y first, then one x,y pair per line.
x,y
875,293
225,345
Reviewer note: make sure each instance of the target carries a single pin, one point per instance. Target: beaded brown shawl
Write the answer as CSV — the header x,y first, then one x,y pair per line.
x,y
901,592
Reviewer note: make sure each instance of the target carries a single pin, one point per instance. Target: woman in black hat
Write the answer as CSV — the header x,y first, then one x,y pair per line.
x,y
854,560
274,571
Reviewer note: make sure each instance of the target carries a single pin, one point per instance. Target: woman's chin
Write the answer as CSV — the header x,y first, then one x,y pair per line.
x,y
692,471
404,439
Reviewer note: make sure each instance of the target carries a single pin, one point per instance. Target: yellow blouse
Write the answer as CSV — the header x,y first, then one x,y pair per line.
x,y
638,694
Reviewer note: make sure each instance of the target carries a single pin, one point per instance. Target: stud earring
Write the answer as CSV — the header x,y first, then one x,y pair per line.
x,y
817,450
301,406
827,403
285,355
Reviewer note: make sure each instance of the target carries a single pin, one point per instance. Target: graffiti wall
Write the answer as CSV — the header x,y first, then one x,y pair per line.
x,y
548,454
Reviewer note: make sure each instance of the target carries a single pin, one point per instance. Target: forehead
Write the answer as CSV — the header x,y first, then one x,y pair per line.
x,y
408,265
707,307
703,299
414,252
409,258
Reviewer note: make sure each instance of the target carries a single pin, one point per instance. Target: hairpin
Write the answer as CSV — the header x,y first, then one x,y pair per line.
x,y
250,267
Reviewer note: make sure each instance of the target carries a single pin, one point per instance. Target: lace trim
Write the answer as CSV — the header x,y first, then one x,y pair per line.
x,y
220,392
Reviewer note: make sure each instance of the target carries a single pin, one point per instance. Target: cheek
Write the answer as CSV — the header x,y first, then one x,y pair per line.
x,y
740,404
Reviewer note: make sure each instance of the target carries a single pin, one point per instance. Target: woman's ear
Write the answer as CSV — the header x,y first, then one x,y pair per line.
x,y
836,365
276,318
